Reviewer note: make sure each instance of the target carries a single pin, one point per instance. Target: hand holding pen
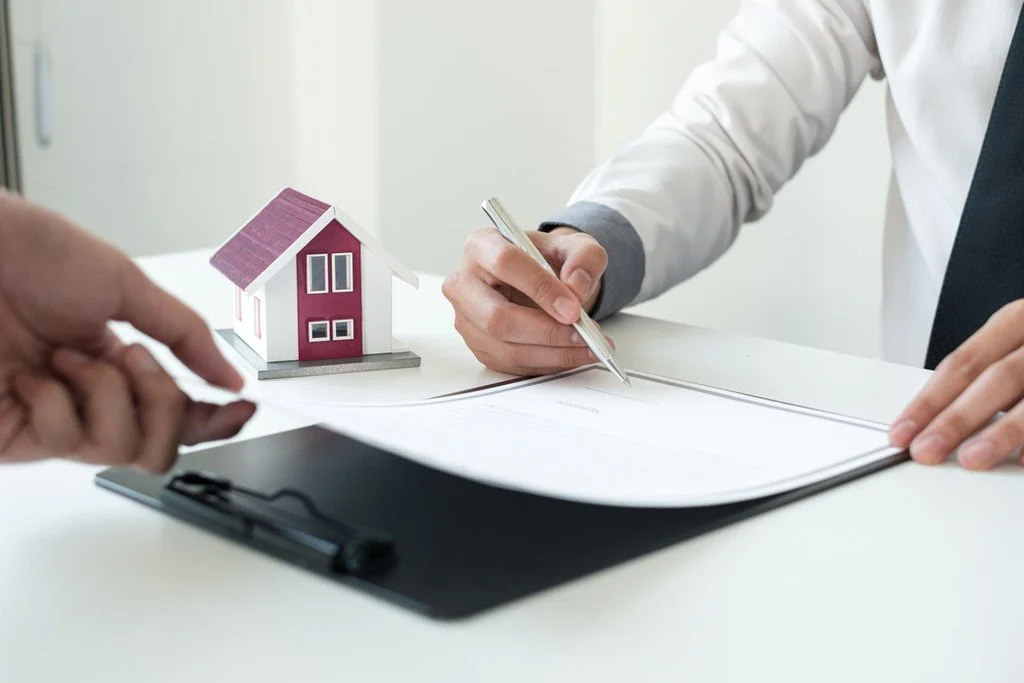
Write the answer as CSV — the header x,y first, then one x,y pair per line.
x,y
507,306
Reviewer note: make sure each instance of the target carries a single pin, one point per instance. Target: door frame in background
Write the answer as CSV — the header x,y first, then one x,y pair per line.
x,y
10,173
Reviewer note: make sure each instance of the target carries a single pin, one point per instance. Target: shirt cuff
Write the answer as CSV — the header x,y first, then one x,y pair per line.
x,y
624,275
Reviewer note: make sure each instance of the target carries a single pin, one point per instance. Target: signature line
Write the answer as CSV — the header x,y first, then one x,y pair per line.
x,y
628,398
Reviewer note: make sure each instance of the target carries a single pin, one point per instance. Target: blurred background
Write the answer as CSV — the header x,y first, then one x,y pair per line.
x,y
163,126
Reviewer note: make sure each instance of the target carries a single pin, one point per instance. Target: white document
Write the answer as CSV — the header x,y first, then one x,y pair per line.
x,y
586,437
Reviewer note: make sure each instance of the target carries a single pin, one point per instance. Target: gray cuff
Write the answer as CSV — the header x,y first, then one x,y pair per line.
x,y
626,262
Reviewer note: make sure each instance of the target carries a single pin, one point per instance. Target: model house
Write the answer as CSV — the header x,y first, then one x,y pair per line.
x,y
310,285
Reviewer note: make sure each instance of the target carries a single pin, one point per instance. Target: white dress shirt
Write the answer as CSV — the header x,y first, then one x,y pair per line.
x,y
672,201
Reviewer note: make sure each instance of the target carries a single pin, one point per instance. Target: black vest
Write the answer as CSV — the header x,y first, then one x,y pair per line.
x,y
986,266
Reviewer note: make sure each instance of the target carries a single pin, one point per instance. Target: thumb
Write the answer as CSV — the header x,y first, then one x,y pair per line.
x,y
583,261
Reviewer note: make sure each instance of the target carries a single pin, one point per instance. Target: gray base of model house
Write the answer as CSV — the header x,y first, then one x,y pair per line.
x,y
293,368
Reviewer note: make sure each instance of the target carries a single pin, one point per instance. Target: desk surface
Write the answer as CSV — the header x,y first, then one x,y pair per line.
x,y
913,574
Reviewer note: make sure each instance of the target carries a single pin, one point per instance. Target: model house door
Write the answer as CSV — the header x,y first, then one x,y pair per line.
x,y
330,314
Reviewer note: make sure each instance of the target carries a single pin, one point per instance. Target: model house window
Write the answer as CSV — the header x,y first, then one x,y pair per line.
x,y
343,329
238,303
316,274
319,331
342,272
257,317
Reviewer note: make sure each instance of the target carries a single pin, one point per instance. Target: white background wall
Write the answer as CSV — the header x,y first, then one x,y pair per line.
x,y
172,119
482,98
175,120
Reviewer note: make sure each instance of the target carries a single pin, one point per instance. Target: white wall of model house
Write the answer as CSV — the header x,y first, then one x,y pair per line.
x,y
378,314
278,301
246,316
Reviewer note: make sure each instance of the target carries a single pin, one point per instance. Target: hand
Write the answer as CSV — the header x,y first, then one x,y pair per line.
x,y
68,387
516,317
973,385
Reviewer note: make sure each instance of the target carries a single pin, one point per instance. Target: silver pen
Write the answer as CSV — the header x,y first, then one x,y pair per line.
x,y
585,326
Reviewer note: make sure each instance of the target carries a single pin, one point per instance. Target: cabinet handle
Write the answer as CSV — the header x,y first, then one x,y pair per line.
x,y
44,95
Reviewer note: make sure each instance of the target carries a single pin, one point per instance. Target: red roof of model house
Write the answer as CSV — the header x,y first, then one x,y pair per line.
x,y
279,231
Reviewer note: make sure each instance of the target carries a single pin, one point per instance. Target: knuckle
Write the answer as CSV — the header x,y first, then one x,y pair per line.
x,y
473,242
570,358
496,321
954,423
555,335
544,287
503,259
962,362
1008,433
1009,369
1014,311
461,327
922,407
588,242
450,286
514,356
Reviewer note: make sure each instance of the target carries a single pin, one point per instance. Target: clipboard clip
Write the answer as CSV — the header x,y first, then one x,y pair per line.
x,y
318,540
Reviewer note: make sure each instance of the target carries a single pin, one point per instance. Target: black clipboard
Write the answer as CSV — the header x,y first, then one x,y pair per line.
x,y
432,542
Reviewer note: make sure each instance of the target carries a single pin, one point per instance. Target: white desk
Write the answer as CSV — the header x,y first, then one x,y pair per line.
x,y
914,574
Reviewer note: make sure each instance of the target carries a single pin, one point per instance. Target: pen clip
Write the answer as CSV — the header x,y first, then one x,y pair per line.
x,y
335,546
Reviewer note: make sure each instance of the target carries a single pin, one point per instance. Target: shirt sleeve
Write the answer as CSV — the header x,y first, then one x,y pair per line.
x,y
671,202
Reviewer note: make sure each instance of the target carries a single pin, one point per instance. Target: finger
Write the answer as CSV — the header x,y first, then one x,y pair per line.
x,y
583,261
164,318
161,409
501,319
512,266
1002,334
51,413
209,422
522,359
111,347
996,443
997,387
107,405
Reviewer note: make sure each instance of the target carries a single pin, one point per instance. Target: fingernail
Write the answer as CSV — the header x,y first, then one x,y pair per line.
x,y
566,308
610,341
581,282
931,450
977,454
140,360
576,338
902,432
